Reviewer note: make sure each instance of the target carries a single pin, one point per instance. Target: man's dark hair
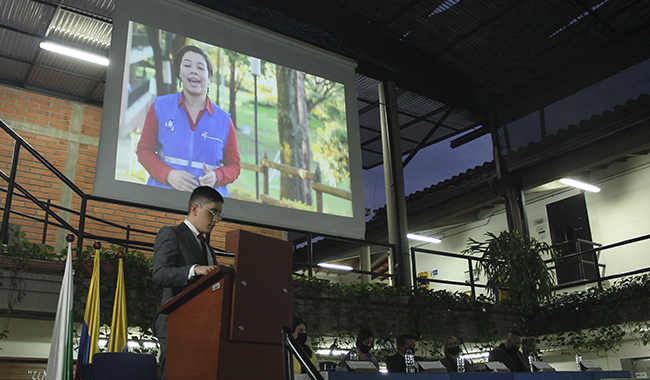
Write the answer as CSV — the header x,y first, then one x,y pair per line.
x,y
178,59
203,195
401,340
516,333
297,321
364,334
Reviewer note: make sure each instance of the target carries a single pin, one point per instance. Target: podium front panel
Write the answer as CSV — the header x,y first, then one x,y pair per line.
x,y
263,293
194,336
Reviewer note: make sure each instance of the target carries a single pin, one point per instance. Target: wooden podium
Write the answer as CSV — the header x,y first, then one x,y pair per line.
x,y
228,324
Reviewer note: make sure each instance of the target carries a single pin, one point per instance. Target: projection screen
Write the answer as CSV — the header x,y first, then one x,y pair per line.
x,y
278,136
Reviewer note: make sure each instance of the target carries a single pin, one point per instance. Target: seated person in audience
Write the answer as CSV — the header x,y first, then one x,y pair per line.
x,y
508,353
365,342
300,335
396,362
452,351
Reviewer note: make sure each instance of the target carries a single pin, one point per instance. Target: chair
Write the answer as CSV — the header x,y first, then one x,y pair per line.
x,y
86,371
124,366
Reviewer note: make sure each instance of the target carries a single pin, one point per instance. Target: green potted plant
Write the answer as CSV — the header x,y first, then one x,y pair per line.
x,y
514,261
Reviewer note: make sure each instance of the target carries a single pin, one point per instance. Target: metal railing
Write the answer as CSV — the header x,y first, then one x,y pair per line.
x,y
289,350
310,265
470,259
14,189
594,252
52,218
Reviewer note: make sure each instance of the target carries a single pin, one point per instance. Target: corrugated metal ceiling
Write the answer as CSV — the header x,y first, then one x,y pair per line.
x,y
466,54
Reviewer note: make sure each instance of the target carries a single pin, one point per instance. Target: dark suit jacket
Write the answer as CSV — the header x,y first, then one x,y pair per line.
x,y
396,363
513,360
175,251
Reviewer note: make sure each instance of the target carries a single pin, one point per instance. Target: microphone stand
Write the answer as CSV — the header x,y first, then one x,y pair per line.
x,y
387,342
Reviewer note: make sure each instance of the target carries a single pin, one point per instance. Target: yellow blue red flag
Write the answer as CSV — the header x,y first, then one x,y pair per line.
x,y
89,342
117,341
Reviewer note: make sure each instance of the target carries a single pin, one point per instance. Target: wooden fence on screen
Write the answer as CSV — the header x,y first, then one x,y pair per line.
x,y
315,178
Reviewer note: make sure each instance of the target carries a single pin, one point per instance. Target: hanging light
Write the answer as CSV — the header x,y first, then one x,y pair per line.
x,y
334,266
580,185
427,239
74,53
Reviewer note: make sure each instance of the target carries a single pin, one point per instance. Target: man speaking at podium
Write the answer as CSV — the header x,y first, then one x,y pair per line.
x,y
181,254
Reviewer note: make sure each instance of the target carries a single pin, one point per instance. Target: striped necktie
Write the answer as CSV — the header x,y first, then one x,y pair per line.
x,y
203,248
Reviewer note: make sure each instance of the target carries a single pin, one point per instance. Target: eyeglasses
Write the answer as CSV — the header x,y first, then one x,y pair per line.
x,y
214,214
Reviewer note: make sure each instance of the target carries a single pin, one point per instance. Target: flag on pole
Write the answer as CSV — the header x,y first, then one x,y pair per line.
x,y
117,340
59,363
89,342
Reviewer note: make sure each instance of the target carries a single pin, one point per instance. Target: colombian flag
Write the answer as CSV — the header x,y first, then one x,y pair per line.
x,y
117,340
59,364
89,343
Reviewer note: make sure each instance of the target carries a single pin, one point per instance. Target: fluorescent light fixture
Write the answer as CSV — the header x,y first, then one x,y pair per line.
x,y
74,53
334,266
138,344
427,239
328,352
475,355
580,185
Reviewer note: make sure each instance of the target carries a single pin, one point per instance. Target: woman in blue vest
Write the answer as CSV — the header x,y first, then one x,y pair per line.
x,y
188,141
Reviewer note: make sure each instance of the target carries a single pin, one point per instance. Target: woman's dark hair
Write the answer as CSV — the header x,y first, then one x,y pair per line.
x,y
297,322
178,59
364,334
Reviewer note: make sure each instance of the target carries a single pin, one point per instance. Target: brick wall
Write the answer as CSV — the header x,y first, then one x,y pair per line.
x,y
67,135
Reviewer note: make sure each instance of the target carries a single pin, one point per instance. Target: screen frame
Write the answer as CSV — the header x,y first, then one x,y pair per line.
x,y
229,33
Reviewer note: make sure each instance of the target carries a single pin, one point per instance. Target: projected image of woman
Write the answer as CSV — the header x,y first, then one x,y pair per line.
x,y
187,140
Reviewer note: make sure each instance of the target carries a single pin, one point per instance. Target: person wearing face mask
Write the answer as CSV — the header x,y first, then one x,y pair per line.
x,y
300,335
187,141
364,343
508,353
396,363
452,351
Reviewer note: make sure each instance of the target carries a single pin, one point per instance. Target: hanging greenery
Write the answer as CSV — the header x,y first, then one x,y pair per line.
x,y
595,319
142,297
337,311
19,253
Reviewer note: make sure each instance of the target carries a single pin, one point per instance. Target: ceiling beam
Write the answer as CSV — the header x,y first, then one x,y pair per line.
x,y
379,54
423,142
555,85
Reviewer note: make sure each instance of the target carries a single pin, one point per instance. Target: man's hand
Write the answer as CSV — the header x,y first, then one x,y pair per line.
x,y
210,177
181,180
202,270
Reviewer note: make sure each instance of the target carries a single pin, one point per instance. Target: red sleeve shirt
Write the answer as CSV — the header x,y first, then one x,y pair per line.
x,y
148,148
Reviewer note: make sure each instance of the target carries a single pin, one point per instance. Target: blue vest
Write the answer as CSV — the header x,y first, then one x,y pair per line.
x,y
184,149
